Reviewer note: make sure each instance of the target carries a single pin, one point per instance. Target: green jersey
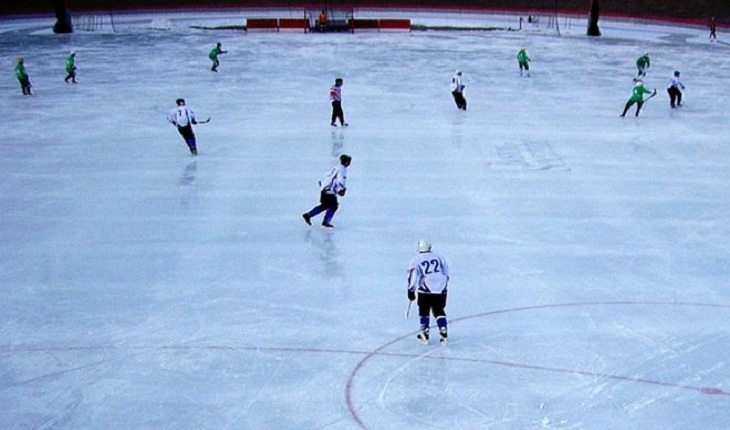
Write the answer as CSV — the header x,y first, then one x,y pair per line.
x,y
70,66
637,94
522,57
643,62
214,53
20,72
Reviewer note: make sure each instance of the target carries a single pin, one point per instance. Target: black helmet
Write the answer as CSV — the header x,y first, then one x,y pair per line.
x,y
345,159
180,102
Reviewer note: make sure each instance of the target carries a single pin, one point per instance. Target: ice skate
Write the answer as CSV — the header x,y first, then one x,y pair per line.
x,y
423,337
443,335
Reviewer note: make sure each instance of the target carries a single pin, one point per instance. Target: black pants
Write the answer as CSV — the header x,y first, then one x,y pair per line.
x,y
459,99
337,112
71,76
431,303
629,104
328,201
328,204
675,96
25,86
187,134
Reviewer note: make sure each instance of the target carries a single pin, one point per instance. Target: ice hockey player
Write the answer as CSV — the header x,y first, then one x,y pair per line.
x,y
524,61
183,118
71,67
675,94
642,64
333,185
213,55
457,90
428,274
336,99
637,96
22,76
713,30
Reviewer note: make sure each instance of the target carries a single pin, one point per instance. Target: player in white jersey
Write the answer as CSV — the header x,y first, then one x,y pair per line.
x,y
183,118
333,185
674,90
457,90
428,273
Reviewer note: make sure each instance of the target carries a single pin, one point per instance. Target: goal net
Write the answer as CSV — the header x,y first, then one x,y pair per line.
x,y
93,22
329,19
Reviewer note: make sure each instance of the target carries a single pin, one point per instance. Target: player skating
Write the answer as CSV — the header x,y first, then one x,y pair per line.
x,y
213,55
713,30
457,90
183,118
22,76
428,274
71,67
642,65
674,90
523,60
333,185
336,99
637,96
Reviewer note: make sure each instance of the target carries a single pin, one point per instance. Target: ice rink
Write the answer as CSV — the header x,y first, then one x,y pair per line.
x,y
144,288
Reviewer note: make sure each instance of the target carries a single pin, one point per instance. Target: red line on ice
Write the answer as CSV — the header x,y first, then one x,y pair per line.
x,y
349,386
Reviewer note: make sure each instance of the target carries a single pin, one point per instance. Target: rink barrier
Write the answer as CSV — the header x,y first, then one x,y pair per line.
x,y
365,24
649,14
395,25
293,24
301,24
262,24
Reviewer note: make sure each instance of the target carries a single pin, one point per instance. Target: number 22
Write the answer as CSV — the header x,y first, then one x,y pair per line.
x,y
427,266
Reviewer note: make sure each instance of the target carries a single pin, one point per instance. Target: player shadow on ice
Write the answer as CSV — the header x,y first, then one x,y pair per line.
x,y
187,183
188,176
327,251
338,141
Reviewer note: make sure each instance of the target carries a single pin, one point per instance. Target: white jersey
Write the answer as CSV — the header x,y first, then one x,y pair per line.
x,y
335,93
675,82
335,181
457,84
428,272
181,116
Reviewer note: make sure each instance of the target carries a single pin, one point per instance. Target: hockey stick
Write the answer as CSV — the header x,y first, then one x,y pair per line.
x,y
651,96
408,310
204,122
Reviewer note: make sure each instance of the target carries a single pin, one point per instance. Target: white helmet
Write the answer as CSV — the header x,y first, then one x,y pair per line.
x,y
423,245
639,84
458,72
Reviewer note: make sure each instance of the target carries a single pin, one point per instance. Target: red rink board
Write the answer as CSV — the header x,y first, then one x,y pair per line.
x,y
395,24
293,24
271,24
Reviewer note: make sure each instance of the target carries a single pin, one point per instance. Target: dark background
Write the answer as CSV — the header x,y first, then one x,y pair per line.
x,y
698,12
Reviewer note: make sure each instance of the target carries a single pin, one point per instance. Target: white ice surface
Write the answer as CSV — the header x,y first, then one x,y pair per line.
x,y
143,288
